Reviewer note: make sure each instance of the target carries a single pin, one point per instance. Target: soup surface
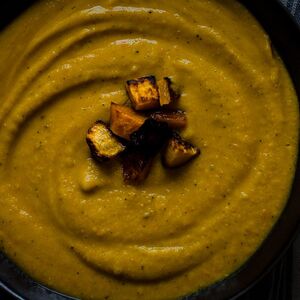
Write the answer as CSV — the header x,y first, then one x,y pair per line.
x,y
72,224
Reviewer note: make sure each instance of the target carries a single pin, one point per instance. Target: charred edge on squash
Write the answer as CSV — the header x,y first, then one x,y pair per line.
x,y
151,136
173,90
136,166
175,119
144,144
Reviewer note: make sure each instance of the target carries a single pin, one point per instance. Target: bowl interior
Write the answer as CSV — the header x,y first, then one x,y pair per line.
x,y
285,36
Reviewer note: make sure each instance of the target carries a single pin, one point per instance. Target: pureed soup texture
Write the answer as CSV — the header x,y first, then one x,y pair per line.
x,y
62,64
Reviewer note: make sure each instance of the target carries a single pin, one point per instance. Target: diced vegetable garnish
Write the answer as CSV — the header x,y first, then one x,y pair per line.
x,y
143,93
144,135
136,166
102,143
151,136
175,119
178,152
165,92
124,120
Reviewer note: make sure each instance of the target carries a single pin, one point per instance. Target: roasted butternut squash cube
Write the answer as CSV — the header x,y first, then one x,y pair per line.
x,y
178,152
165,92
102,143
151,136
143,93
136,166
124,120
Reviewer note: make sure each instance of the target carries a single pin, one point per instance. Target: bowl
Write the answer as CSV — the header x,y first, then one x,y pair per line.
x,y
285,36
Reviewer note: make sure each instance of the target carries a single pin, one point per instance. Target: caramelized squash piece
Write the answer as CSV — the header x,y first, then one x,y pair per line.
x,y
102,143
143,93
151,136
178,152
144,144
165,91
136,166
124,120
175,119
